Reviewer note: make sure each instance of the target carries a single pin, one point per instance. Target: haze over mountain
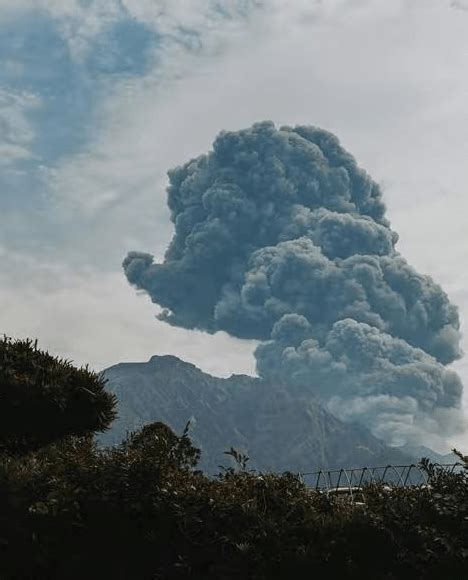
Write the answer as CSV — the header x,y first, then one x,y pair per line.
x,y
277,427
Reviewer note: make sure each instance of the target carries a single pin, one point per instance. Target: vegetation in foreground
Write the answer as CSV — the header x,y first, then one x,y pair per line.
x,y
142,510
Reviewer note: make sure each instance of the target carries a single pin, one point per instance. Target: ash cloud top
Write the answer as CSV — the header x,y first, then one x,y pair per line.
x,y
281,237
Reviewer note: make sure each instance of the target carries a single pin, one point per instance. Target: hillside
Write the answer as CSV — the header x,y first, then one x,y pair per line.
x,y
277,429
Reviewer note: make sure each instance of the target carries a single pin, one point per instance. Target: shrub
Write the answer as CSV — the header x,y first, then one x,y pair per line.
x,y
69,510
141,510
44,398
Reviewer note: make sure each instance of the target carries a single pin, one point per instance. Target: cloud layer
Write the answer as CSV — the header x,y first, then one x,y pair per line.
x,y
281,237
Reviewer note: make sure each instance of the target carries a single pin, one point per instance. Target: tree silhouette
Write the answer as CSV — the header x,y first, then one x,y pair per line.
x,y
44,398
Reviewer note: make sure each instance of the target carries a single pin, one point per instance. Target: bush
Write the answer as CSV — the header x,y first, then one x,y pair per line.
x,y
44,398
141,510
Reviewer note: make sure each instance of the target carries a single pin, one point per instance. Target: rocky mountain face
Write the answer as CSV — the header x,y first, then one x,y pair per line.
x,y
277,428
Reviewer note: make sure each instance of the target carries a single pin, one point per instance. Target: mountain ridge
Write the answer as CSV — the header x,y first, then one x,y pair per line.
x,y
275,425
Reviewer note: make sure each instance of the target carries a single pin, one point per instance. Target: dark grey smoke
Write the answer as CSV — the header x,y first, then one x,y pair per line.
x,y
281,237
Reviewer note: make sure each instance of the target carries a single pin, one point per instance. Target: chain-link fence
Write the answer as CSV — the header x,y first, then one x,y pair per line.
x,y
352,481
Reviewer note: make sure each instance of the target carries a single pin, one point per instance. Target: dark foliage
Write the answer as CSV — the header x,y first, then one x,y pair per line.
x,y
141,510
43,398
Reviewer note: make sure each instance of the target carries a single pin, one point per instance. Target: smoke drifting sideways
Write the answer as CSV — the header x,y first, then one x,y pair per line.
x,y
281,237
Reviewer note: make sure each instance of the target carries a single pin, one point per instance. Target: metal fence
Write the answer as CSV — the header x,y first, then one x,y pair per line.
x,y
351,481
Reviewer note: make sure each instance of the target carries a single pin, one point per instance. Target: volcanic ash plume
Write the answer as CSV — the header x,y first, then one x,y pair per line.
x,y
281,237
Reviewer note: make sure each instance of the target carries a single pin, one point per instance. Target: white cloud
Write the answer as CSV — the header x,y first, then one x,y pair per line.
x,y
16,132
195,24
95,318
10,153
194,35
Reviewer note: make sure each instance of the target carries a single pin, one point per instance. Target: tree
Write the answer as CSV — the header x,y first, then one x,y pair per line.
x,y
44,398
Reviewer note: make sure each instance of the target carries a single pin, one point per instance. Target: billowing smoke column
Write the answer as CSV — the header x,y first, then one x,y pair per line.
x,y
281,237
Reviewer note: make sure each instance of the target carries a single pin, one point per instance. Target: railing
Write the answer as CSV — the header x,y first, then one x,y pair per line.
x,y
351,481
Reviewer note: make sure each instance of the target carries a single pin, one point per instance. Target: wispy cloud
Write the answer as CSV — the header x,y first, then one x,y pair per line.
x,y
460,4
87,62
16,131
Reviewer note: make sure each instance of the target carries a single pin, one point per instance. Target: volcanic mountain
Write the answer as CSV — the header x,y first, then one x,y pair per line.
x,y
277,428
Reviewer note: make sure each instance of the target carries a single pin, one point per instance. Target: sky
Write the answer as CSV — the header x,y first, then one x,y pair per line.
x,y
98,99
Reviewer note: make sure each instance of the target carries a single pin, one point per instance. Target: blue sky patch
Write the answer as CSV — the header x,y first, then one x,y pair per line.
x,y
38,61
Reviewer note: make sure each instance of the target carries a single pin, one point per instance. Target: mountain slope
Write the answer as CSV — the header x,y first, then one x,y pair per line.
x,y
278,429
